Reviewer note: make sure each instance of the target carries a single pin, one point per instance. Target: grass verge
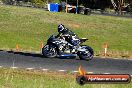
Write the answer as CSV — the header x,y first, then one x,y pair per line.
x,y
29,27
14,78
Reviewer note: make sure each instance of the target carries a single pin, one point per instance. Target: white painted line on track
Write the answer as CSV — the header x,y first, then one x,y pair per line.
x,y
106,73
75,71
89,72
61,70
29,68
45,69
13,67
130,59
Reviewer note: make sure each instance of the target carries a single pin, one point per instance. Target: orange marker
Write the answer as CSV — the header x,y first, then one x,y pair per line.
x,y
17,47
41,45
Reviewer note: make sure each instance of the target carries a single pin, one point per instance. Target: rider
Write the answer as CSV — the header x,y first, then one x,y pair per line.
x,y
69,36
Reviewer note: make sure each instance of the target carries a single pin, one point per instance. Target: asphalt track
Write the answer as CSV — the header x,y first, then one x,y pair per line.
x,y
37,61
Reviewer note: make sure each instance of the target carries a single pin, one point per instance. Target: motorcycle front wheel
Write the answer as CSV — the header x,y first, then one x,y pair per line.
x,y
87,54
49,51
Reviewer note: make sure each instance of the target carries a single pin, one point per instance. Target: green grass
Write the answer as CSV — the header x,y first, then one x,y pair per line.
x,y
29,27
10,78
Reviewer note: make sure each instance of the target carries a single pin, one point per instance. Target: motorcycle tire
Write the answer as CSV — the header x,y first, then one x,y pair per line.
x,y
91,52
49,51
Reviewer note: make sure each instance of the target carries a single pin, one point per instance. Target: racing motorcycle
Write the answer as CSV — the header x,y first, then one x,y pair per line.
x,y
60,47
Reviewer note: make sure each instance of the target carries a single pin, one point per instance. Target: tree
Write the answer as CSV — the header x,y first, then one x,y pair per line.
x,y
93,4
8,2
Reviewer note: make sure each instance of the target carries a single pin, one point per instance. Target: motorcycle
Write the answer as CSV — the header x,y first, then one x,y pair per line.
x,y
60,47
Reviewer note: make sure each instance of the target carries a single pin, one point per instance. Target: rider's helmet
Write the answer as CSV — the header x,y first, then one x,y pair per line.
x,y
61,28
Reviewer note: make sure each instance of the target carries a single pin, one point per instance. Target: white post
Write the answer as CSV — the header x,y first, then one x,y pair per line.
x,y
105,46
105,51
66,6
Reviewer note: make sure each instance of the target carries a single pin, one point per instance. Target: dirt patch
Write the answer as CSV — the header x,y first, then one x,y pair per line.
x,y
74,25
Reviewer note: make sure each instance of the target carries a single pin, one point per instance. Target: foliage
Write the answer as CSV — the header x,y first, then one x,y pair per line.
x,y
95,4
36,3
130,7
39,3
9,2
